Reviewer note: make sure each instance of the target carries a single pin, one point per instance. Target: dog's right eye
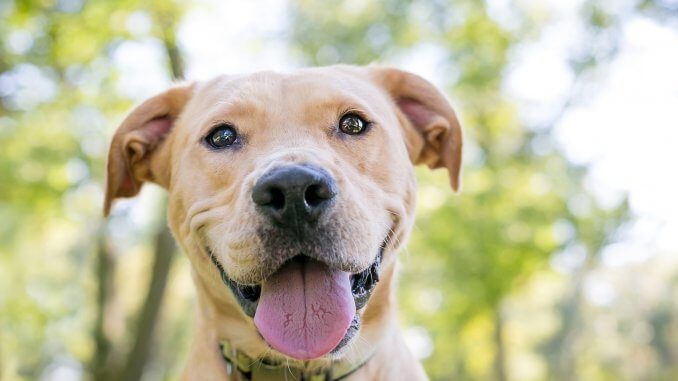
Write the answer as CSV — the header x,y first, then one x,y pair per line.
x,y
222,136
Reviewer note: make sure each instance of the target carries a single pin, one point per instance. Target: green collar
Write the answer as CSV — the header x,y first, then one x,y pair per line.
x,y
263,370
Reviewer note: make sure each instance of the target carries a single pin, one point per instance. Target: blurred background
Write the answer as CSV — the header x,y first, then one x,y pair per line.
x,y
558,261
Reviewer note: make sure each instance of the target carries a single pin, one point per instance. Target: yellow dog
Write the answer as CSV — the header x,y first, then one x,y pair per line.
x,y
291,195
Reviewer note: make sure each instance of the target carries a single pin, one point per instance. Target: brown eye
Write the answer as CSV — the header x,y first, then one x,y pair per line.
x,y
222,136
352,124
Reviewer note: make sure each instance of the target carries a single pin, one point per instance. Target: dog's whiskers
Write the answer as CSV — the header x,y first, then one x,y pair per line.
x,y
289,370
361,350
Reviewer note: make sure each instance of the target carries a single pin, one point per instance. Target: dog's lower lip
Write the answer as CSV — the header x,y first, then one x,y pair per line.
x,y
363,283
246,295
251,293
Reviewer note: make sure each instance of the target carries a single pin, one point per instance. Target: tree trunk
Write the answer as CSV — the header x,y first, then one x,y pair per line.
x,y
500,348
141,349
105,268
565,361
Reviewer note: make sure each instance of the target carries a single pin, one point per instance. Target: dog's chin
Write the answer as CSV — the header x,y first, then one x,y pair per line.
x,y
361,285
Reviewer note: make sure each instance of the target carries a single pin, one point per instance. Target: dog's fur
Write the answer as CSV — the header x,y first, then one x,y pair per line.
x,y
286,119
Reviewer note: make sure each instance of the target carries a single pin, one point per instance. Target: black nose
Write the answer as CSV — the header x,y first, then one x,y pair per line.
x,y
294,194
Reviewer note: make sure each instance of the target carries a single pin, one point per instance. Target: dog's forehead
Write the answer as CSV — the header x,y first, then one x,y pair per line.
x,y
305,87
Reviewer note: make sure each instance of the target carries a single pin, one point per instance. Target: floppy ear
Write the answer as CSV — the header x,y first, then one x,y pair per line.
x,y
432,130
136,154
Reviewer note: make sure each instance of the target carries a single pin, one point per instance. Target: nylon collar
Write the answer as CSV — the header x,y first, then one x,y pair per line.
x,y
265,370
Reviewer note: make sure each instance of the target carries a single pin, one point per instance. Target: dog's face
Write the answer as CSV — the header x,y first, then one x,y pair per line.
x,y
289,192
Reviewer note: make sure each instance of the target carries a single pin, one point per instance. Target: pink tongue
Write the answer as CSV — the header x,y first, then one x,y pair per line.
x,y
305,309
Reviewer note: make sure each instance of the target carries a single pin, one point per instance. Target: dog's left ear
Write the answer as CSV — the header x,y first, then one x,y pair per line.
x,y
137,152
432,130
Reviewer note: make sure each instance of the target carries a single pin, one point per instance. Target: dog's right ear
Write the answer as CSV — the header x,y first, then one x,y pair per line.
x,y
137,153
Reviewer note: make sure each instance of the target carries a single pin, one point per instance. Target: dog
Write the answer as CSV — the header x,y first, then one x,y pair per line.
x,y
291,194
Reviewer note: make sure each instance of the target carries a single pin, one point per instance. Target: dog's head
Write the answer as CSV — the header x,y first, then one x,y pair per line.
x,y
295,190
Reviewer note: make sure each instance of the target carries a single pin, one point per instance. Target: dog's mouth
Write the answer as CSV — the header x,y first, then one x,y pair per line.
x,y
306,309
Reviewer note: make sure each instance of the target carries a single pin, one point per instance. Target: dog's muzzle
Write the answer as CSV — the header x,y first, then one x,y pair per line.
x,y
307,306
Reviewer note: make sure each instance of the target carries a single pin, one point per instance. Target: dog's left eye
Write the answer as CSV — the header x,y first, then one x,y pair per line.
x,y
222,136
352,124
